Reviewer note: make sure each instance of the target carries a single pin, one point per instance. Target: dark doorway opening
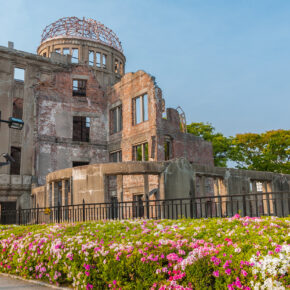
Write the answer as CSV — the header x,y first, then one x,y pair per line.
x,y
8,213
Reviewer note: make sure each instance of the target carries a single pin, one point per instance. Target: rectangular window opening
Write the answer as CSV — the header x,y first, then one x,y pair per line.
x,y
79,88
81,129
168,148
140,109
75,55
116,120
116,156
140,152
19,74
104,61
98,59
116,66
15,166
65,51
91,58
57,50
17,108
79,163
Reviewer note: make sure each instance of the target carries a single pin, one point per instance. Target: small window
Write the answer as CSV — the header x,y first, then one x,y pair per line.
x,y
259,186
17,108
81,128
79,163
98,59
15,166
104,61
19,74
116,66
44,54
140,109
116,120
121,68
79,88
91,57
65,51
167,148
140,152
116,156
57,50
75,55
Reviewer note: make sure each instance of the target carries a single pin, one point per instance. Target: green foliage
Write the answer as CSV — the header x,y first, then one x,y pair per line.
x,y
269,151
220,143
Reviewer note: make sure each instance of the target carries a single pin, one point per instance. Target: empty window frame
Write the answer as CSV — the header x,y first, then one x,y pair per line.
x,y
81,128
98,59
79,163
91,58
116,67
79,88
168,152
140,109
140,152
116,119
57,50
116,156
19,74
17,108
259,186
75,55
65,51
15,166
104,61
121,69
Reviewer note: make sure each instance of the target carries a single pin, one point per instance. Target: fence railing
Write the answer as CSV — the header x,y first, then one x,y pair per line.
x,y
258,204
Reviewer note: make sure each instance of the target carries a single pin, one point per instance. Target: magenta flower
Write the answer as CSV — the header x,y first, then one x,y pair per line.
x,y
244,273
228,271
87,273
216,273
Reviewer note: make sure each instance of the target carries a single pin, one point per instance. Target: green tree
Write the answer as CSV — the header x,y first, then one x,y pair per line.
x,y
269,151
221,144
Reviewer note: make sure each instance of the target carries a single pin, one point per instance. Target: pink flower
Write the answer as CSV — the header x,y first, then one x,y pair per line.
x,y
172,257
114,282
89,286
228,271
216,273
87,273
244,273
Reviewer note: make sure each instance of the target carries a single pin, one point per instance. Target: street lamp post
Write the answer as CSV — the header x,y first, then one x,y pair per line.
x,y
14,123
8,158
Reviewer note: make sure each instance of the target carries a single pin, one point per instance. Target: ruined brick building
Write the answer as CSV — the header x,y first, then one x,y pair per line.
x,y
79,108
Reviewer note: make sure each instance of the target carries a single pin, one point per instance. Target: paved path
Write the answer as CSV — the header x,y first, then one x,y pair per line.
x,y
9,283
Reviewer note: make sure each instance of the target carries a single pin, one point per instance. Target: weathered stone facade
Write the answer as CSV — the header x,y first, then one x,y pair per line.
x,y
79,107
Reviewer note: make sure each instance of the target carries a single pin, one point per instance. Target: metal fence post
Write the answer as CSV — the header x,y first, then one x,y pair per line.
x,y
37,213
84,210
244,206
58,212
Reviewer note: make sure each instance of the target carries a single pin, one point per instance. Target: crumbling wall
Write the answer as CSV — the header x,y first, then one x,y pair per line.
x,y
56,107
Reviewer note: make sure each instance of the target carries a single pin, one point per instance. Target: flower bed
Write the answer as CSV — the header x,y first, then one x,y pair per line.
x,y
233,253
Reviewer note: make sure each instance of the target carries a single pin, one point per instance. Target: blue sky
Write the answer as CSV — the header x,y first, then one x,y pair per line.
x,y
223,62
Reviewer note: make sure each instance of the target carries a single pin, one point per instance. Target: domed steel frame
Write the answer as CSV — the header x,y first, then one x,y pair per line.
x,y
73,27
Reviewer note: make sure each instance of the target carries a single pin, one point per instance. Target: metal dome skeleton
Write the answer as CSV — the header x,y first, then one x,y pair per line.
x,y
73,27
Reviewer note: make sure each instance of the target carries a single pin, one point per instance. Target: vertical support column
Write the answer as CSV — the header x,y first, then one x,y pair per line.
x,y
120,195
161,187
146,193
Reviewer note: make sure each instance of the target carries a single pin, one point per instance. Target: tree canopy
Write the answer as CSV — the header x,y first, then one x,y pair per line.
x,y
269,151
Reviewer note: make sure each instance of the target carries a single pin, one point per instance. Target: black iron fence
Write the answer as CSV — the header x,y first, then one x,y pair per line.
x,y
257,204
